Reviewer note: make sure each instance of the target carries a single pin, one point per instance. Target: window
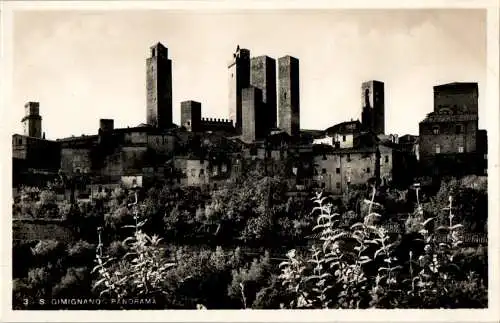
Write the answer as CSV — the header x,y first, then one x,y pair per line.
x,y
437,148
337,185
323,171
386,159
460,149
337,170
323,185
435,130
368,170
348,157
202,172
20,141
343,138
459,129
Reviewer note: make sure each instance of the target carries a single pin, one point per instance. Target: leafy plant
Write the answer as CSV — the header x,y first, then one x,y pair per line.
x,y
140,272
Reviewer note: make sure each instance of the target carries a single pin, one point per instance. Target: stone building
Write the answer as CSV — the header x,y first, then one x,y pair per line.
x,y
192,121
239,78
114,153
159,87
289,95
373,107
337,169
450,142
34,158
263,77
341,135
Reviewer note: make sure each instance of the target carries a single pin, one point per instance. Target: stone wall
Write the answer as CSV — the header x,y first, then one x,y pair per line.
x,y
448,139
73,159
30,229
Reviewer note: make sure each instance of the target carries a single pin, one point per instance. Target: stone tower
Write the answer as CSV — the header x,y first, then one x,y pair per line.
x,y
253,122
289,95
191,115
159,87
32,121
239,78
373,115
263,77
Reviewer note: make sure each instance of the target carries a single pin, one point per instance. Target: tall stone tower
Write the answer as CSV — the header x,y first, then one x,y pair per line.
x,y
263,77
289,95
239,78
191,115
373,114
253,122
32,121
159,87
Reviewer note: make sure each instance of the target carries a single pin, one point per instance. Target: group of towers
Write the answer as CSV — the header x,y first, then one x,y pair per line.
x,y
254,95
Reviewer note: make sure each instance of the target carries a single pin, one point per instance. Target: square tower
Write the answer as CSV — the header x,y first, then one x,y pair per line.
x,y
263,77
159,87
239,78
191,115
289,95
252,118
456,98
32,121
373,111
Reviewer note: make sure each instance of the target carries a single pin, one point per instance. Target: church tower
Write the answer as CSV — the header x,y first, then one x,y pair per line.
x,y
159,87
32,121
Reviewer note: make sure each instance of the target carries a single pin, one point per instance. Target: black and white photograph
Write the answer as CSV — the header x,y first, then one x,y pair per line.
x,y
211,157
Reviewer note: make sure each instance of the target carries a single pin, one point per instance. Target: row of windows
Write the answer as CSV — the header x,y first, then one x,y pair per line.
x,y
214,172
337,170
459,129
437,149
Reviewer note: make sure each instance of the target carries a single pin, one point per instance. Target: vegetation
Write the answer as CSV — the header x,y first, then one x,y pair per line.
x,y
185,248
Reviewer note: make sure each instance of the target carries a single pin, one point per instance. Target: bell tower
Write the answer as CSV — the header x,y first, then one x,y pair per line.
x,y
32,121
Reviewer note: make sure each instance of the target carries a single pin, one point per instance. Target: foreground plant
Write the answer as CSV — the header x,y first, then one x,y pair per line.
x,y
140,272
359,267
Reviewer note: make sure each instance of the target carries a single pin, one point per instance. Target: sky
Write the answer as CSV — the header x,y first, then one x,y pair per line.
x,y
86,65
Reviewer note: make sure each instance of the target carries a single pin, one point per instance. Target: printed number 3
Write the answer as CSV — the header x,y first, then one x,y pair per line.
x,y
26,301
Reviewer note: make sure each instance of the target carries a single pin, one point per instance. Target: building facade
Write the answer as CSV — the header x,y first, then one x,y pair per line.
x,y
449,138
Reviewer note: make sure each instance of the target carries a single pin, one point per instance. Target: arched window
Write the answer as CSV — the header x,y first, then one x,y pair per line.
x,y
437,148
435,130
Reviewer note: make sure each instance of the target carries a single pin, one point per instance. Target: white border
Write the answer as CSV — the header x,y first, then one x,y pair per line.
x,y
492,99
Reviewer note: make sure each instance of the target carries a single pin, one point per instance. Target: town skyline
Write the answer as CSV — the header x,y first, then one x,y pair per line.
x,y
88,80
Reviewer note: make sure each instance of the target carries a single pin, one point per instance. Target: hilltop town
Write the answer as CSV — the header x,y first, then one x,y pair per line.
x,y
253,211
263,125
